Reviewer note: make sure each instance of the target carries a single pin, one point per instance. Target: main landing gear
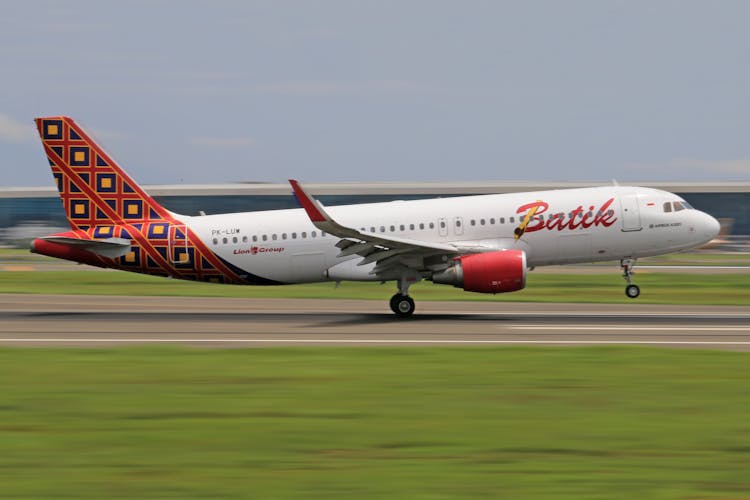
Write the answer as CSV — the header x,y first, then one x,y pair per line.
x,y
632,291
401,304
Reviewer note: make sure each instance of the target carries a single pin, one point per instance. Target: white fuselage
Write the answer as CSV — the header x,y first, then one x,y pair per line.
x,y
568,226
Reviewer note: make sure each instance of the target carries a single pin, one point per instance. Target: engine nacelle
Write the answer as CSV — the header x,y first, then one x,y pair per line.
x,y
492,272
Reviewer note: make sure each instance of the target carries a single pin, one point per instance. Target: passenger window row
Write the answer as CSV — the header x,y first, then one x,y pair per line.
x,y
392,228
272,237
401,227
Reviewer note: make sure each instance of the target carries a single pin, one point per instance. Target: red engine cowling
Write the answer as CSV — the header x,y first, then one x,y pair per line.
x,y
493,272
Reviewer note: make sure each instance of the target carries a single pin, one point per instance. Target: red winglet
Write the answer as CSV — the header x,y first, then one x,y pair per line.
x,y
307,202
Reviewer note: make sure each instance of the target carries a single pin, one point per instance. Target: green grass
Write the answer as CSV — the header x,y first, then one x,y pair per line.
x,y
374,423
657,288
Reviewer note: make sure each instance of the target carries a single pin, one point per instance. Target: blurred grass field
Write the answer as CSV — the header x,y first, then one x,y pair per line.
x,y
418,423
657,288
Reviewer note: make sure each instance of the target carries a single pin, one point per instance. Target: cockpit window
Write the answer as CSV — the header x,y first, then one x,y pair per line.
x,y
676,206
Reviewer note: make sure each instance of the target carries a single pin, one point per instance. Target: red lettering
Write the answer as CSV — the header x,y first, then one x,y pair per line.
x,y
537,208
556,221
573,216
604,217
257,250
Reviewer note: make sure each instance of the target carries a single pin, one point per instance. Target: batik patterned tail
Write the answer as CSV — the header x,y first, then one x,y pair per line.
x,y
93,188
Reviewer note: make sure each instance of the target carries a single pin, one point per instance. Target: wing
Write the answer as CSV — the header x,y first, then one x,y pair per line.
x,y
386,251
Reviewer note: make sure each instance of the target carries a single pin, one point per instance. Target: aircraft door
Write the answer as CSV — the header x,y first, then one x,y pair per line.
x,y
631,214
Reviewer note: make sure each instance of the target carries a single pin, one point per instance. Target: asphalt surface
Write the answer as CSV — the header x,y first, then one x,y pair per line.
x,y
45,320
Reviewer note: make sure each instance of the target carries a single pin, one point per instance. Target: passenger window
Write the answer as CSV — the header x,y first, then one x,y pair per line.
x,y
421,225
393,229
224,240
216,242
372,229
458,222
283,236
402,227
411,227
502,220
442,224
492,220
304,234
234,240
244,239
481,221
294,236
273,237
382,229
313,234
512,220
432,225
255,238
473,222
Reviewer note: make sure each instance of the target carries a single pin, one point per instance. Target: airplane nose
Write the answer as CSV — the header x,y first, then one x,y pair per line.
x,y
711,227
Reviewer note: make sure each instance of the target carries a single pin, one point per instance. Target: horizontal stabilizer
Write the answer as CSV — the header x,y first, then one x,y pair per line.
x,y
110,247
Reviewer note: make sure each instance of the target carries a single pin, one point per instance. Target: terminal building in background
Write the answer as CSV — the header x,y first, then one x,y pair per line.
x,y
26,213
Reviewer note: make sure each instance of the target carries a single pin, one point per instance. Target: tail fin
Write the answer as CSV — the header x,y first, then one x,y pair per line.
x,y
93,188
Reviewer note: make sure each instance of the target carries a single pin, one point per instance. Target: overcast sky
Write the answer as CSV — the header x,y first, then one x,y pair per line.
x,y
327,91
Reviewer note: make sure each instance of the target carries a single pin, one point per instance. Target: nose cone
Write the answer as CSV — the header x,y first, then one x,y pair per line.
x,y
712,227
707,228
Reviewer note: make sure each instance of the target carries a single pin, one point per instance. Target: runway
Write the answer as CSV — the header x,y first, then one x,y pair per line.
x,y
46,320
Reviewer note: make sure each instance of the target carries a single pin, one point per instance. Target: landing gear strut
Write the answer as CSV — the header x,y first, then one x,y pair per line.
x,y
632,291
401,303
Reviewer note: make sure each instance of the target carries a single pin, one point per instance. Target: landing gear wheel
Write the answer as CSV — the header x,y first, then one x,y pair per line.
x,y
402,305
632,291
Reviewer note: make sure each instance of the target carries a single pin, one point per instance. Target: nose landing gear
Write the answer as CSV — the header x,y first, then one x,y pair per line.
x,y
632,291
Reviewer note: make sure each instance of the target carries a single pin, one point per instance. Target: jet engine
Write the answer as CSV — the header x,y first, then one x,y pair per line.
x,y
492,272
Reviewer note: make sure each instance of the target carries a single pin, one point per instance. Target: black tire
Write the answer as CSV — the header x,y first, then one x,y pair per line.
x,y
632,291
402,305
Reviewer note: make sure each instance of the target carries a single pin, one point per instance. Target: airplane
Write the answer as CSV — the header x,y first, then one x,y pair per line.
x,y
482,243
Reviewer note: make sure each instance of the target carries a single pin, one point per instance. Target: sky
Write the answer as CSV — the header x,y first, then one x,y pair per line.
x,y
186,92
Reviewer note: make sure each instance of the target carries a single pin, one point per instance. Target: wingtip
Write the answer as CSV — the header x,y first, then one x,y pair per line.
x,y
307,202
